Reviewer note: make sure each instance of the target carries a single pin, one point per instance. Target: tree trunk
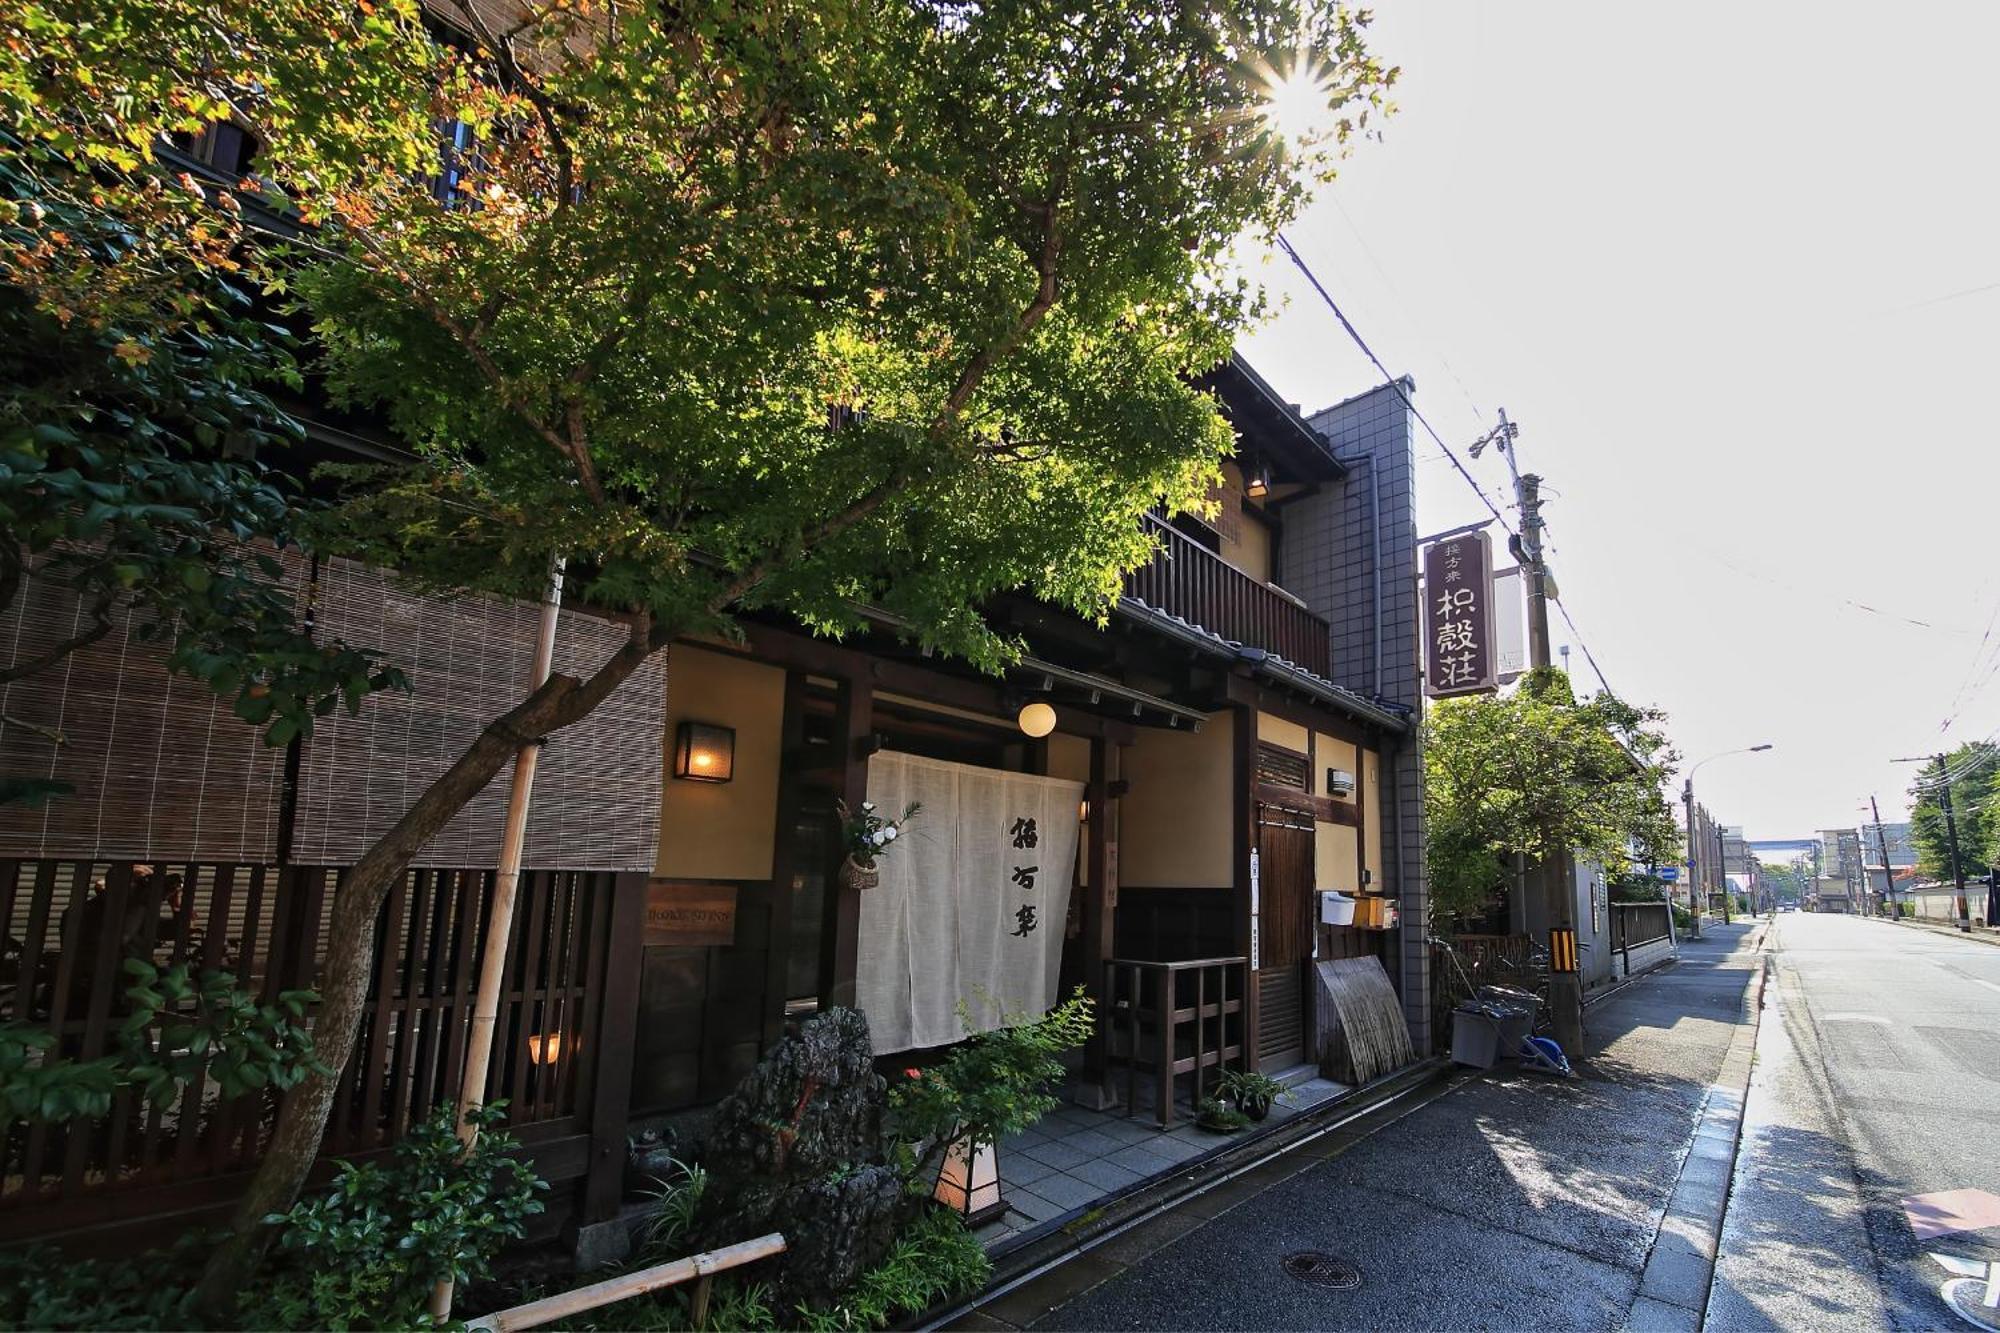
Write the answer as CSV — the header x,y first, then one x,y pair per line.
x,y
343,983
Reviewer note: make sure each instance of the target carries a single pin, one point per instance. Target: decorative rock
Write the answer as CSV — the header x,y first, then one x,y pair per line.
x,y
798,1148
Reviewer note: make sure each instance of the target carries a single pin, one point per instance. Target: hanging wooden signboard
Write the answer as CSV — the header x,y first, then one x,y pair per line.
x,y
690,915
1459,616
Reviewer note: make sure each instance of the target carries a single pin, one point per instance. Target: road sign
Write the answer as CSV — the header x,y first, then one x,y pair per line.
x,y
1671,874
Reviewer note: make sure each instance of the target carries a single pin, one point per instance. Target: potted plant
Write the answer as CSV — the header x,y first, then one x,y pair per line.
x,y
1218,1117
864,837
1252,1093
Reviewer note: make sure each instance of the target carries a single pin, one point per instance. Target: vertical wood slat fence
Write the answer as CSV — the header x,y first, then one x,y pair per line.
x,y
1190,581
70,924
1635,926
1163,1020
1465,962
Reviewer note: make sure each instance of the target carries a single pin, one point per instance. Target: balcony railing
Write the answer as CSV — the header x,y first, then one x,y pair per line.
x,y
1190,581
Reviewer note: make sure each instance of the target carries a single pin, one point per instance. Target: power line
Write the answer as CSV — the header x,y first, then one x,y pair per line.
x,y
1478,412
1978,756
1948,296
1959,702
1588,656
1762,577
1492,508
1369,352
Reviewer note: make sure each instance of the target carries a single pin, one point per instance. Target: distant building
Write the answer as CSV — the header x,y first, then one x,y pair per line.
x,y
1840,860
1902,856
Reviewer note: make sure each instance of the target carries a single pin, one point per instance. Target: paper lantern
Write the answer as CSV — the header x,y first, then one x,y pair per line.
x,y
969,1182
1037,719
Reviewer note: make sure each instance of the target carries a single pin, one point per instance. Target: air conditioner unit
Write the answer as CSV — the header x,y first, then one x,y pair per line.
x,y
1339,783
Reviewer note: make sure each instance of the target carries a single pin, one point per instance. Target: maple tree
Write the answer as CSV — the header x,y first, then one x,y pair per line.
x,y
779,306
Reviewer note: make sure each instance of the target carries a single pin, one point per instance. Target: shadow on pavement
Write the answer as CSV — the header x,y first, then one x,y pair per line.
x,y
1515,1201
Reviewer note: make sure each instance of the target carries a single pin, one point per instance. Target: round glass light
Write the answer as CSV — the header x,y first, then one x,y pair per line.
x,y
1037,719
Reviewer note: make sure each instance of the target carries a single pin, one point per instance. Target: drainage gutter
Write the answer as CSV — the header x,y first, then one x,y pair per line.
x,y
1079,1230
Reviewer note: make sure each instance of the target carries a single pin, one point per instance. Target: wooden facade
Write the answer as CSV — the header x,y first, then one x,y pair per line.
x,y
186,840
1210,833
70,924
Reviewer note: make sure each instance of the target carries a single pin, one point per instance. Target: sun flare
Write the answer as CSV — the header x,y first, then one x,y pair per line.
x,y
1297,103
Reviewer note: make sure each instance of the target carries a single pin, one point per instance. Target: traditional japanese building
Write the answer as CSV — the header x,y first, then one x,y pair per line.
x,y
1171,805
1237,742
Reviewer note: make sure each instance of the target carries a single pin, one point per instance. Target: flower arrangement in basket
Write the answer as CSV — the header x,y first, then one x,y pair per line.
x,y
866,835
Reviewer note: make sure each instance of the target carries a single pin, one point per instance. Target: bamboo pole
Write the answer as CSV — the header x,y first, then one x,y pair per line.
x,y
565,1304
500,918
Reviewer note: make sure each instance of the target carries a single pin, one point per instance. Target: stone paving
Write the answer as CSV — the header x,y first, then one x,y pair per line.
x,y
1076,1157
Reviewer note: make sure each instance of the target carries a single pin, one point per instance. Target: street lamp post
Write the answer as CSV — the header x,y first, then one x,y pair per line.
x,y
1694,846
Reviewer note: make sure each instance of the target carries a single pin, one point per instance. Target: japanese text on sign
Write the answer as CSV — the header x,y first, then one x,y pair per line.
x,y
1024,836
1458,616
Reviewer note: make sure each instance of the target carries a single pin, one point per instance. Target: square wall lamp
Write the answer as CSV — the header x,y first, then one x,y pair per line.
x,y
704,752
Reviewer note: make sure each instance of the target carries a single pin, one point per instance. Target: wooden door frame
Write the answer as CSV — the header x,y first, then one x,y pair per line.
x,y
1302,812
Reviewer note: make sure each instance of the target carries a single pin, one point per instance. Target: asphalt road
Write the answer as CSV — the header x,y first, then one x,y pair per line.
x,y
1877,1079
1512,1202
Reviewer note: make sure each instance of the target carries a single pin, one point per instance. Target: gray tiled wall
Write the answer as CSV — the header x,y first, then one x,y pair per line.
x,y
1328,557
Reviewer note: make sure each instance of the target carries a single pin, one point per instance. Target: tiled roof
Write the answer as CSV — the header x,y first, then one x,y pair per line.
x,y
1388,715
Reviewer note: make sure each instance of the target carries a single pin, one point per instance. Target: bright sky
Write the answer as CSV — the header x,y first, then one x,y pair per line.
x,y
1732,268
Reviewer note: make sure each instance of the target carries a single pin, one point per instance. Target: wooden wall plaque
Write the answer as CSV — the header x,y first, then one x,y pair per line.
x,y
685,915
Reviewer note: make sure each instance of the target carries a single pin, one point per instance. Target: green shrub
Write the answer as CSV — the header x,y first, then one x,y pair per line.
x,y
935,1259
680,1193
1219,1116
180,1029
366,1253
43,1289
991,1085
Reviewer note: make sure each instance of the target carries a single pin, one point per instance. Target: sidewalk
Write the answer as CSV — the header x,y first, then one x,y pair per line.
x,y
1982,933
1507,1201
1077,1159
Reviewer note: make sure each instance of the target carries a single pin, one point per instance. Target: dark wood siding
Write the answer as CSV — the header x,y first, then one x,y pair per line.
x,y
705,1014
268,927
1167,925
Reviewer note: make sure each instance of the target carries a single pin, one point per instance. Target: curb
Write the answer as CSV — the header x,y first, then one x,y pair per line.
x,y
1978,934
1237,1170
1673,1288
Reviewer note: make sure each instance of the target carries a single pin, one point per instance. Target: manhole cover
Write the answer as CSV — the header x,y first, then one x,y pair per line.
x,y
1323,1270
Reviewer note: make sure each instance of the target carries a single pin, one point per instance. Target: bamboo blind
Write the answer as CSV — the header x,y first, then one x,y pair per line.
x,y
597,791
161,768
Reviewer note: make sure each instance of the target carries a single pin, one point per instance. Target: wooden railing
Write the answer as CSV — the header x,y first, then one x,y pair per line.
x,y
1190,581
1161,1021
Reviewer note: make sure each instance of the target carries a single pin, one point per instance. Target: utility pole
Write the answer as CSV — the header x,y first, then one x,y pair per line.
x,y
1957,862
1697,844
1694,862
1882,846
1951,837
1565,988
